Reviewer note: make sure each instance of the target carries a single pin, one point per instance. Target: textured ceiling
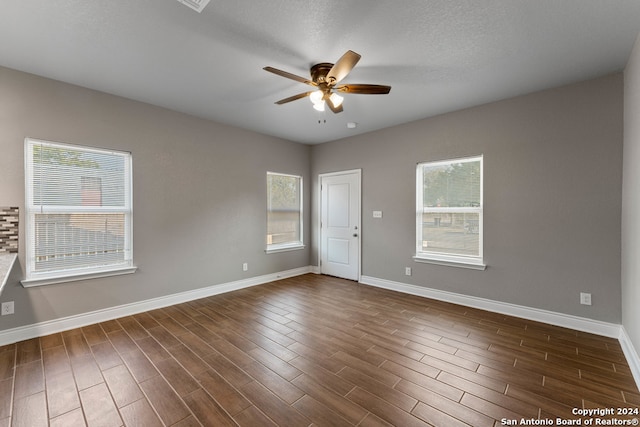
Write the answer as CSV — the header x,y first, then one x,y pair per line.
x,y
438,55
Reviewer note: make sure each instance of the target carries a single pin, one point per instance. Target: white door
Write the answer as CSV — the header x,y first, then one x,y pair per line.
x,y
340,224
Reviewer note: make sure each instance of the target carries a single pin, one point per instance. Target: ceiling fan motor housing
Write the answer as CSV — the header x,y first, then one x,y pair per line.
x,y
319,72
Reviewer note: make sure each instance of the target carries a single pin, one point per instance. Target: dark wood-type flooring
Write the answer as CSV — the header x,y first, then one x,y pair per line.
x,y
311,350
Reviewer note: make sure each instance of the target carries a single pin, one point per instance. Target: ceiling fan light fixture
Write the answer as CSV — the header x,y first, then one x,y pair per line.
x,y
316,97
319,106
336,99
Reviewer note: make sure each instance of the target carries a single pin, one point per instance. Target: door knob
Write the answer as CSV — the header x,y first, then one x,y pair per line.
x,y
355,234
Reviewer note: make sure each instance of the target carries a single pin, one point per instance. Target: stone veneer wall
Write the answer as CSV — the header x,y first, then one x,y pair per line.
x,y
8,229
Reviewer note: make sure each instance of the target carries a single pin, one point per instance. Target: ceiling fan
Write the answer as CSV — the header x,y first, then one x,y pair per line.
x,y
325,78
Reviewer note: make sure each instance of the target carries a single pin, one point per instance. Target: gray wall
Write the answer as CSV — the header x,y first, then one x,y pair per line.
x,y
631,200
199,193
553,179
552,194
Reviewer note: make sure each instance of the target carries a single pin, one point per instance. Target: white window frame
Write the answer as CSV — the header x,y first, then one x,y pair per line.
x,y
35,278
443,258
293,245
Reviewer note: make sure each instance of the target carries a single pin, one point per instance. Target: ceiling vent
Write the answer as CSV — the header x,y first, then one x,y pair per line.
x,y
196,5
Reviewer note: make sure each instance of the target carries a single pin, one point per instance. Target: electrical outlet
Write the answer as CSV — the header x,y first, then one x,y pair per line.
x,y
245,266
7,308
585,298
407,271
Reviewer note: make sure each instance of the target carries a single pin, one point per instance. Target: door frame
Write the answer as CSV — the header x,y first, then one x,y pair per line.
x,y
358,173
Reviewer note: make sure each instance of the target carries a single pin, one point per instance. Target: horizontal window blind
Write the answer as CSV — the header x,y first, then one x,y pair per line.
x,y
449,209
78,208
284,209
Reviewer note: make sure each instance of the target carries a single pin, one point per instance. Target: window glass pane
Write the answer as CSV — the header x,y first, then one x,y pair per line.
x,y
454,184
451,233
449,210
283,227
67,241
283,209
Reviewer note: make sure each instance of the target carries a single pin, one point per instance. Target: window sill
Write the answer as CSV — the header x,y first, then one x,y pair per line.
x,y
284,248
452,261
72,277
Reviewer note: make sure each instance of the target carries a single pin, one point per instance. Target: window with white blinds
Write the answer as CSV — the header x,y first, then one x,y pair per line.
x,y
79,210
284,212
449,208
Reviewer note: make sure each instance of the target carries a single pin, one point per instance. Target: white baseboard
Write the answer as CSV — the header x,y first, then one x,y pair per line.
x,y
21,333
597,327
631,354
559,319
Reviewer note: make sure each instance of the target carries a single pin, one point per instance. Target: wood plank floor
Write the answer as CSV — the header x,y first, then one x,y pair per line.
x,y
312,350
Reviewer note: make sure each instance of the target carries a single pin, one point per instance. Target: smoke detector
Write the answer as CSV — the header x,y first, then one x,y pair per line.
x,y
196,5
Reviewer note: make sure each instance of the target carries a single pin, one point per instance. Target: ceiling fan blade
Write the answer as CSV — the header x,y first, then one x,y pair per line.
x,y
293,98
364,89
289,76
343,67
